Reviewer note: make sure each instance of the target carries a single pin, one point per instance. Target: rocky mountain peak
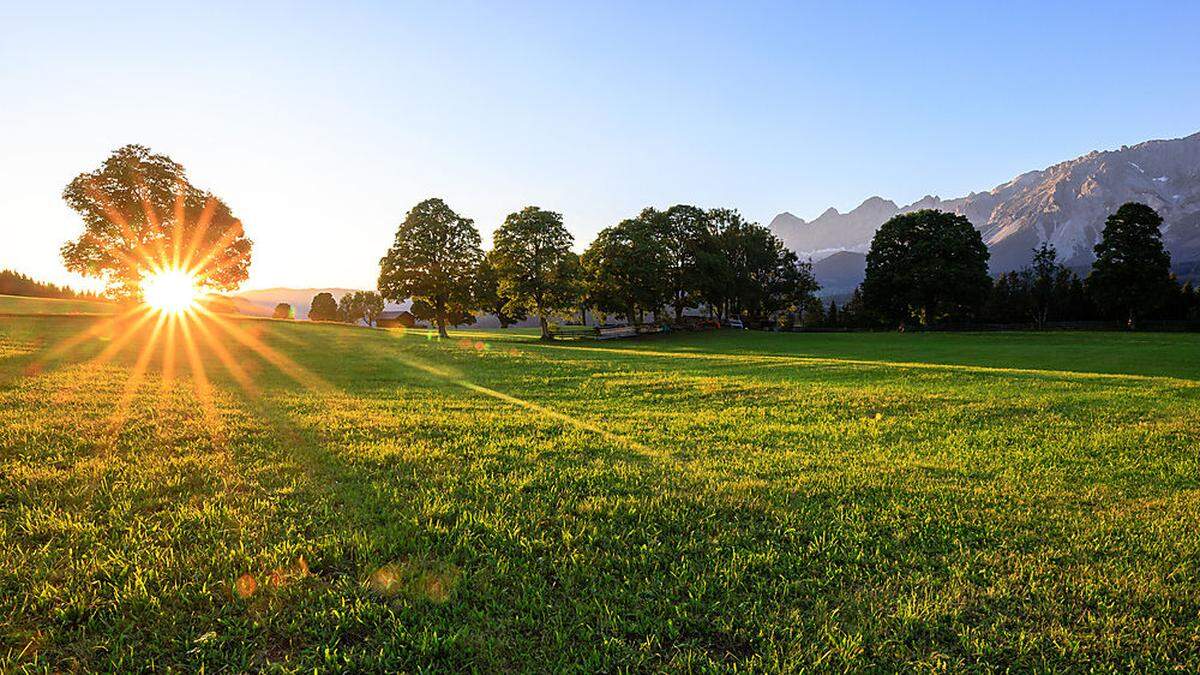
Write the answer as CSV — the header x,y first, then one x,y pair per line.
x,y
1064,204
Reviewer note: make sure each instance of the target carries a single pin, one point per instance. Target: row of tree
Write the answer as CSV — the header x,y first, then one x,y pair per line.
x,y
924,268
141,213
354,307
15,283
930,267
658,263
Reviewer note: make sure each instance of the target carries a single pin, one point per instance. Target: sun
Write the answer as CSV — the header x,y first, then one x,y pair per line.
x,y
170,291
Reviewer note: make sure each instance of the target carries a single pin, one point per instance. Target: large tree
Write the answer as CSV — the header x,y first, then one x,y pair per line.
x,y
142,215
488,296
626,269
751,270
538,272
323,308
717,275
1132,272
350,307
926,266
358,306
434,259
372,305
690,254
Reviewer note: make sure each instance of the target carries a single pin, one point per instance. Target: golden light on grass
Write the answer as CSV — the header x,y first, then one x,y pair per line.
x,y
171,291
176,316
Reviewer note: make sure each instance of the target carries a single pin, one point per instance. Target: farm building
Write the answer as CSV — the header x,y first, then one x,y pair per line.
x,y
396,319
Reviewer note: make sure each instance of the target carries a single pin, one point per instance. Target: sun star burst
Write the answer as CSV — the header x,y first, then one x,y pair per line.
x,y
171,291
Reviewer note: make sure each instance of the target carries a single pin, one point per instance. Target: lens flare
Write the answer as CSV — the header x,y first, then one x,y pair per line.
x,y
170,291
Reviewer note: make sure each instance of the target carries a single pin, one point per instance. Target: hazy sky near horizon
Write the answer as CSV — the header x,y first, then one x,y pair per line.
x,y
321,125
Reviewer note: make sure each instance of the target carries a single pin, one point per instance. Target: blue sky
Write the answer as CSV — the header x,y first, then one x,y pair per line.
x,y
321,125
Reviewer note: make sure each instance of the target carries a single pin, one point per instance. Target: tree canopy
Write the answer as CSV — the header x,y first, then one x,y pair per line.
x,y
141,214
433,259
690,254
488,296
1132,272
283,311
626,268
536,268
372,305
324,308
926,266
350,309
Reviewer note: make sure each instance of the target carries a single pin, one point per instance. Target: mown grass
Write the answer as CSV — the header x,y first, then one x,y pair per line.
x,y
761,501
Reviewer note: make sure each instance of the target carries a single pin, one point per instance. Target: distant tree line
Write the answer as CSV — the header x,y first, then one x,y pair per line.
x,y
926,268
929,268
355,307
657,264
15,283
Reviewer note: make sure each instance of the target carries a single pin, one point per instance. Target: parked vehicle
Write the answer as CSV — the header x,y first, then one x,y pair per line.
x,y
735,323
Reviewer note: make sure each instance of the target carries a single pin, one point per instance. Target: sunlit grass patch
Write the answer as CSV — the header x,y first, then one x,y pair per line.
x,y
700,501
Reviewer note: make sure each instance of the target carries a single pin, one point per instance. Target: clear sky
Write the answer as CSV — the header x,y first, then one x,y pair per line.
x,y
320,125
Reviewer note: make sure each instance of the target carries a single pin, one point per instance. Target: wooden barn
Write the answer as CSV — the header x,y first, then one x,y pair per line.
x,y
396,319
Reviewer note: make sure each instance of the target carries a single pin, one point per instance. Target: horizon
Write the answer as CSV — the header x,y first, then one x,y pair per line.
x,y
321,129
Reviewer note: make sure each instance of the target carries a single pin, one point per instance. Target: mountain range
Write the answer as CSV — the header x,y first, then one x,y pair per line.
x,y
1065,205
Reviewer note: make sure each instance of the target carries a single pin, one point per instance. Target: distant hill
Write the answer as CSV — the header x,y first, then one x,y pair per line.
x,y
263,301
841,272
1064,204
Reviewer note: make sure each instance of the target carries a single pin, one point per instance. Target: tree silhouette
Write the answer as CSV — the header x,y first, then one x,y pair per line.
x,y
283,311
926,265
140,214
433,259
324,308
535,265
1132,272
1048,284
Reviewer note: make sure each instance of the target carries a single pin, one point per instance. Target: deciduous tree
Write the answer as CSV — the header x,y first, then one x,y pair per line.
x,y
372,305
689,254
1132,272
926,266
537,270
488,296
433,259
626,269
323,308
350,307
141,214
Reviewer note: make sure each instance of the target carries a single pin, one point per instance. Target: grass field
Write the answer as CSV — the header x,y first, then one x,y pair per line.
x,y
363,499
16,304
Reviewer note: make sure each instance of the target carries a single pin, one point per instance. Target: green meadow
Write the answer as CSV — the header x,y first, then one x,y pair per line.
x,y
269,495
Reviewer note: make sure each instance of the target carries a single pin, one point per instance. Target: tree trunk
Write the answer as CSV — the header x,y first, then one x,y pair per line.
x,y
545,327
441,322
